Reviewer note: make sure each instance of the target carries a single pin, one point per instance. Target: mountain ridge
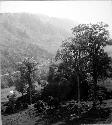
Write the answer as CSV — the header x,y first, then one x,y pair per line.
x,y
23,34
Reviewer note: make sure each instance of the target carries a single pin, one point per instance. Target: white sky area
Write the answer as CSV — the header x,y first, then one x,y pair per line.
x,y
80,11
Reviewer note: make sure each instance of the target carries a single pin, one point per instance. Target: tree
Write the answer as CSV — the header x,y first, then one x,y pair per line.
x,y
27,69
85,52
10,80
74,62
20,86
62,82
20,82
93,38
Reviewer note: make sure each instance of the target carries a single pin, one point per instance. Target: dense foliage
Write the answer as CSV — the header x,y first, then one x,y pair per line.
x,y
83,62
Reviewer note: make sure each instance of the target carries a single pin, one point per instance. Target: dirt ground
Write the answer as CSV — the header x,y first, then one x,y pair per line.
x,y
27,117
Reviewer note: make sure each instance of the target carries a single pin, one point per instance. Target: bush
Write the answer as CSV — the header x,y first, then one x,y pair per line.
x,y
40,106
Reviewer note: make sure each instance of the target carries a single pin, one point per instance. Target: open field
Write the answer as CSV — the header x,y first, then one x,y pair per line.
x,y
5,92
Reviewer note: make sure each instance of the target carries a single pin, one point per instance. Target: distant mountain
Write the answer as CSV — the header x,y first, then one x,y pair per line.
x,y
108,49
24,34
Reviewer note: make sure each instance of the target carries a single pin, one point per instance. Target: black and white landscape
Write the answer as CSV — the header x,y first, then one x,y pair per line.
x,y
24,34
55,69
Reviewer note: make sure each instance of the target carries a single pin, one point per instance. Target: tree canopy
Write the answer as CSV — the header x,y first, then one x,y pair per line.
x,y
84,53
27,71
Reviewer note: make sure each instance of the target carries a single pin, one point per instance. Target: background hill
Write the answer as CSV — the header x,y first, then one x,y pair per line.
x,y
30,35
23,34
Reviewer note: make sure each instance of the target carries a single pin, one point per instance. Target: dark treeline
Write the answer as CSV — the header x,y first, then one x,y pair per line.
x,y
80,64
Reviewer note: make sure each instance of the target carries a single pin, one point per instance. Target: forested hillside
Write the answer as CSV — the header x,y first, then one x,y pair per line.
x,y
24,35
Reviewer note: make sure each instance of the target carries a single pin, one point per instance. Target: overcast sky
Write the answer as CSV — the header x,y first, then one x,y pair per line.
x,y
80,11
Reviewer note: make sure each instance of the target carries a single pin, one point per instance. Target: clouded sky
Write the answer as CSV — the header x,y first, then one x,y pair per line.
x,y
81,11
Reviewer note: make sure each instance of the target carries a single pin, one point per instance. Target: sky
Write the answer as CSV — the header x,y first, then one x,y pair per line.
x,y
80,11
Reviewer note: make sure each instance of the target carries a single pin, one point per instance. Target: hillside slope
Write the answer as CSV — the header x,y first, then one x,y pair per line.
x,y
30,35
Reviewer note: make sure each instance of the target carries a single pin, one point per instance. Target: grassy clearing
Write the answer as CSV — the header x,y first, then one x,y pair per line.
x,y
5,92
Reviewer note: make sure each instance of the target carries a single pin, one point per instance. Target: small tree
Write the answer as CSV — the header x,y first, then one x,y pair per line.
x,y
20,86
10,80
20,82
74,63
27,68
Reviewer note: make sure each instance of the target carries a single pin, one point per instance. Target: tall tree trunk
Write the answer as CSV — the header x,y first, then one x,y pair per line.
x,y
30,90
95,77
78,75
30,84
95,92
78,83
